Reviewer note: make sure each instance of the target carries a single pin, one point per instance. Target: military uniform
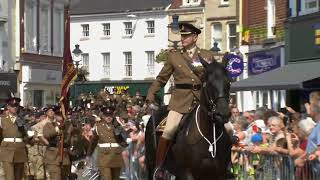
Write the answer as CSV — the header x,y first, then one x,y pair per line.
x,y
36,152
52,158
176,65
187,71
109,150
13,152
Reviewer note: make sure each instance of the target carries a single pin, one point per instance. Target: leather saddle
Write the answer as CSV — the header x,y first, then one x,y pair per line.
x,y
186,126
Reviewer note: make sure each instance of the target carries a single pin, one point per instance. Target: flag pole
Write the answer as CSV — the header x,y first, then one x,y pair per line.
x,y
69,74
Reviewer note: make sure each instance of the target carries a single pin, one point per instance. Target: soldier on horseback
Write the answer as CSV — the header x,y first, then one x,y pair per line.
x,y
185,67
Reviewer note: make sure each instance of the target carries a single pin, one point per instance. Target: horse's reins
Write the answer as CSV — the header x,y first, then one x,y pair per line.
x,y
212,106
212,151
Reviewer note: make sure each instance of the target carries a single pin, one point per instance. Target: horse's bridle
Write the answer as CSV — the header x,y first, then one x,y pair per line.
x,y
212,109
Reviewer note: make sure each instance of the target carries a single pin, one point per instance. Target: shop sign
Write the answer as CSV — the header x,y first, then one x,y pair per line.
x,y
263,61
116,89
8,82
234,66
317,34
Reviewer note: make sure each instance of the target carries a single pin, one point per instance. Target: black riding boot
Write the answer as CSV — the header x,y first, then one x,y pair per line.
x,y
162,151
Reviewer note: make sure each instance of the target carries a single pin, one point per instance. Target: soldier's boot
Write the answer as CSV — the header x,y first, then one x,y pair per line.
x,y
162,150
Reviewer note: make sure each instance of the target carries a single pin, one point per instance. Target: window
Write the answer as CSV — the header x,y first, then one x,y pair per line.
x,y
85,30
128,28
271,19
191,2
217,34
58,33
309,6
38,98
85,61
106,29
30,25
106,64
128,64
232,36
45,27
224,2
150,27
150,62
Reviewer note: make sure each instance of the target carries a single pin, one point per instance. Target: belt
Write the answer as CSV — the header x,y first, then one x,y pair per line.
x,y
106,145
195,87
12,139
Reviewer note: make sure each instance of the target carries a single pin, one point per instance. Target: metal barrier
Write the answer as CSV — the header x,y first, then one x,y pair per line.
x,y
135,171
250,166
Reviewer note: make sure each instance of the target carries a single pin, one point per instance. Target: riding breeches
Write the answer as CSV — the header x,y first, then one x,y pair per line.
x,y
172,124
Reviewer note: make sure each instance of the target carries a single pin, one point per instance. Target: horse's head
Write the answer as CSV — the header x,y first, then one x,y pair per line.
x,y
215,91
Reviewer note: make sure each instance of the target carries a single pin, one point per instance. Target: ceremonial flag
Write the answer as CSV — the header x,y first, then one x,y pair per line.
x,y
69,73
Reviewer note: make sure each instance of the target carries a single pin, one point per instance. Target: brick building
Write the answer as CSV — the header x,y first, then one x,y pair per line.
x,y
263,49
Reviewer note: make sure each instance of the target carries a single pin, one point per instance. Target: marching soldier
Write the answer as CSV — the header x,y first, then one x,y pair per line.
x,y
55,164
187,71
13,149
109,150
37,151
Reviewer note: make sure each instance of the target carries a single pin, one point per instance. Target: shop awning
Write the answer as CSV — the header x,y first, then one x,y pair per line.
x,y
303,75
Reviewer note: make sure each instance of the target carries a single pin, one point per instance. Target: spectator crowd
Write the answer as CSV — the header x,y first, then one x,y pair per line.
x,y
271,143
266,139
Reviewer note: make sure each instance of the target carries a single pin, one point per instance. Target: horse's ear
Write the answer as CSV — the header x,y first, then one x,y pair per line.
x,y
204,63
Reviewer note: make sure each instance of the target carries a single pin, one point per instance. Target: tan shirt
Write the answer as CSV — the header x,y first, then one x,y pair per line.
x,y
38,128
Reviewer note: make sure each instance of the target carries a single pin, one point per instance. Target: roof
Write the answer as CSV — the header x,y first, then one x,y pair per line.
x,y
114,6
303,75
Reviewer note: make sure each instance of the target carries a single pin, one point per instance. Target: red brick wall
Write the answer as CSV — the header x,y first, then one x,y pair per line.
x,y
281,17
255,18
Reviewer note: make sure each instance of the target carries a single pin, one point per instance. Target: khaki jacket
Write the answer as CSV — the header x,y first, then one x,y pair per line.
x,y
12,151
176,65
52,154
38,128
108,156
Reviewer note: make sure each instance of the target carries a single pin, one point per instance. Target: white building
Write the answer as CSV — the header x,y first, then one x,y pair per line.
x,y
119,39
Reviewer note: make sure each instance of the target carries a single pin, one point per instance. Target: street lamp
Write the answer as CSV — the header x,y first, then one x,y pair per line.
x,y
76,52
215,48
174,26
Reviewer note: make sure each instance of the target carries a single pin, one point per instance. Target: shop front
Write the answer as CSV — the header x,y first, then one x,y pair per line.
x,y
298,77
40,87
250,95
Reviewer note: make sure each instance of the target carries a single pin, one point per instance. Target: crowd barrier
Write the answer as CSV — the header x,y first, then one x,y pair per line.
x,y
86,169
135,171
250,166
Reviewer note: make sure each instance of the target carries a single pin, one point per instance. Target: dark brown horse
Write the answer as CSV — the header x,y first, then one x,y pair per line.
x,y
202,148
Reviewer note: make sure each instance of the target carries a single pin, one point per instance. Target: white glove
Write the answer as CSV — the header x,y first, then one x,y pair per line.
x,y
128,140
30,133
57,129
